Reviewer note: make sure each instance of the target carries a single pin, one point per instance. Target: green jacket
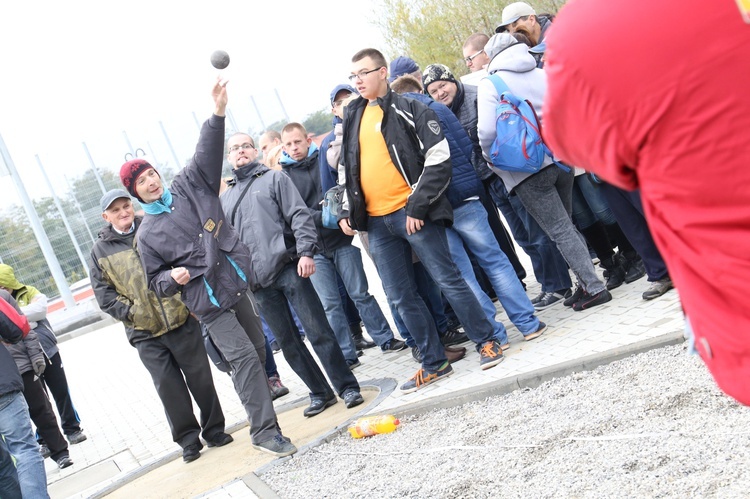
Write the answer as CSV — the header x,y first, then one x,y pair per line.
x,y
120,287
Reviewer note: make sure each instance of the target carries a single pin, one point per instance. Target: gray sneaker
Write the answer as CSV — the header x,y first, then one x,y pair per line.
x,y
548,300
276,446
658,288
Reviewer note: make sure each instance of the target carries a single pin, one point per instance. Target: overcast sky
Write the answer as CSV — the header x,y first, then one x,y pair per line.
x,y
85,71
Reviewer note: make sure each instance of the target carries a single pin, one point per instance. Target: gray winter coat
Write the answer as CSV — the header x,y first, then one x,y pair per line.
x,y
196,236
272,220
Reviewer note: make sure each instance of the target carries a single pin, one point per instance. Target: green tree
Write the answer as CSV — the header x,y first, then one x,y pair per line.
x,y
318,122
434,31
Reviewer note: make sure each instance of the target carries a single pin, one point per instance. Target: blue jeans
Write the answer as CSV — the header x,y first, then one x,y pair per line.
x,y
15,426
347,263
391,250
589,204
301,295
470,228
269,334
430,293
550,268
9,486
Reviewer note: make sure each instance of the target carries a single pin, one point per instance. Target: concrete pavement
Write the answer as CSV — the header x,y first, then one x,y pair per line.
x,y
128,435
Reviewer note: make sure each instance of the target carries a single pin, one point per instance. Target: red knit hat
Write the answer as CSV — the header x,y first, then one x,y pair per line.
x,y
129,173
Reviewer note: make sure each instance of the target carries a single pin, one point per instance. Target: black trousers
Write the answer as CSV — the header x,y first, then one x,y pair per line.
x,y
43,416
170,357
57,383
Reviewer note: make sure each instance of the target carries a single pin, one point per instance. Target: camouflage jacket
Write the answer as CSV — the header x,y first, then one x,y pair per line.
x,y
120,287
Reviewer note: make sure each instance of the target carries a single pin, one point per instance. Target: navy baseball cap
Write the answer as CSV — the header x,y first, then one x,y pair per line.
x,y
400,66
339,88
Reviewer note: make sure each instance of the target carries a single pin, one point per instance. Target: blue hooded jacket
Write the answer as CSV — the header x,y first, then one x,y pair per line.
x,y
464,183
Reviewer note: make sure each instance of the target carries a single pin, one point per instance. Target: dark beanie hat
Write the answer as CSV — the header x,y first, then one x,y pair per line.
x,y
437,72
129,173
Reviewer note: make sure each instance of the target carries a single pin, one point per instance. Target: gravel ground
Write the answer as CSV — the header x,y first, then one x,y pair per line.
x,y
652,425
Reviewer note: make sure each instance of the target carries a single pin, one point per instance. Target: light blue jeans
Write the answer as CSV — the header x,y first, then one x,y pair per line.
x,y
347,262
15,425
471,228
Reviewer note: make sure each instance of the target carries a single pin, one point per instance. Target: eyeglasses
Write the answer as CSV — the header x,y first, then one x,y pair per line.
x,y
361,75
246,145
337,103
472,57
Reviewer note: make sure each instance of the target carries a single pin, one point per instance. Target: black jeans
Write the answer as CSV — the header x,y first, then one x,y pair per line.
x,y
303,298
43,417
179,367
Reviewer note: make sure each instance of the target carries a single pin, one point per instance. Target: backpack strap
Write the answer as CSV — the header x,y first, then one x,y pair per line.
x,y
242,195
500,86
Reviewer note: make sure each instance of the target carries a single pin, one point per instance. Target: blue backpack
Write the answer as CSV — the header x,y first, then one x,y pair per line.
x,y
518,146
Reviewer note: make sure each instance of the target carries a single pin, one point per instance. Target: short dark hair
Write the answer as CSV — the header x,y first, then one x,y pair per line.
x,y
294,126
374,54
406,83
477,41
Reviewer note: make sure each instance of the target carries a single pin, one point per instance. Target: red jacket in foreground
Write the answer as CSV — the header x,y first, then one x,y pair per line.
x,y
656,96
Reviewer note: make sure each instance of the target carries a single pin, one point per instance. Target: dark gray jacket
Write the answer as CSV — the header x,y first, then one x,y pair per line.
x,y
196,236
272,220
464,106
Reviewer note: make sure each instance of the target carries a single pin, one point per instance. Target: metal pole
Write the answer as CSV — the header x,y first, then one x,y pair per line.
x,y
64,218
197,121
257,110
127,141
231,120
151,151
93,169
78,207
54,265
283,109
169,143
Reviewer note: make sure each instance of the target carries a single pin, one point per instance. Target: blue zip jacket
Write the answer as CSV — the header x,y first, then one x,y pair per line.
x,y
465,183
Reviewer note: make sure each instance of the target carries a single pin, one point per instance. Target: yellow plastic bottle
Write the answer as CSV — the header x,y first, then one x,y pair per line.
x,y
373,425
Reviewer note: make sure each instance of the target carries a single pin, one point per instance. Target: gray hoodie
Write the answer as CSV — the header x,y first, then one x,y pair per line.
x,y
517,67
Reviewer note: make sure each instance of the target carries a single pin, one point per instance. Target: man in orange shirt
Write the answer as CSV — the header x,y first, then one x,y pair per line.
x,y
397,168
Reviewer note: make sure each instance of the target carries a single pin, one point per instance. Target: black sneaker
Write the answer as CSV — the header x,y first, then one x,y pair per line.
x,y
64,462
275,346
44,450
277,446
424,378
219,440
76,437
353,364
587,301
569,301
192,452
658,288
318,405
615,272
352,398
417,354
536,334
634,270
393,345
490,355
451,338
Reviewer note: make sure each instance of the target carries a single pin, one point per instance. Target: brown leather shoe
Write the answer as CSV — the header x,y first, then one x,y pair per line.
x,y
454,354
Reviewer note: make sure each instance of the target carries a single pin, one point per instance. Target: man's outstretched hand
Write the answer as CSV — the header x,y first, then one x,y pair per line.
x,y
219,93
